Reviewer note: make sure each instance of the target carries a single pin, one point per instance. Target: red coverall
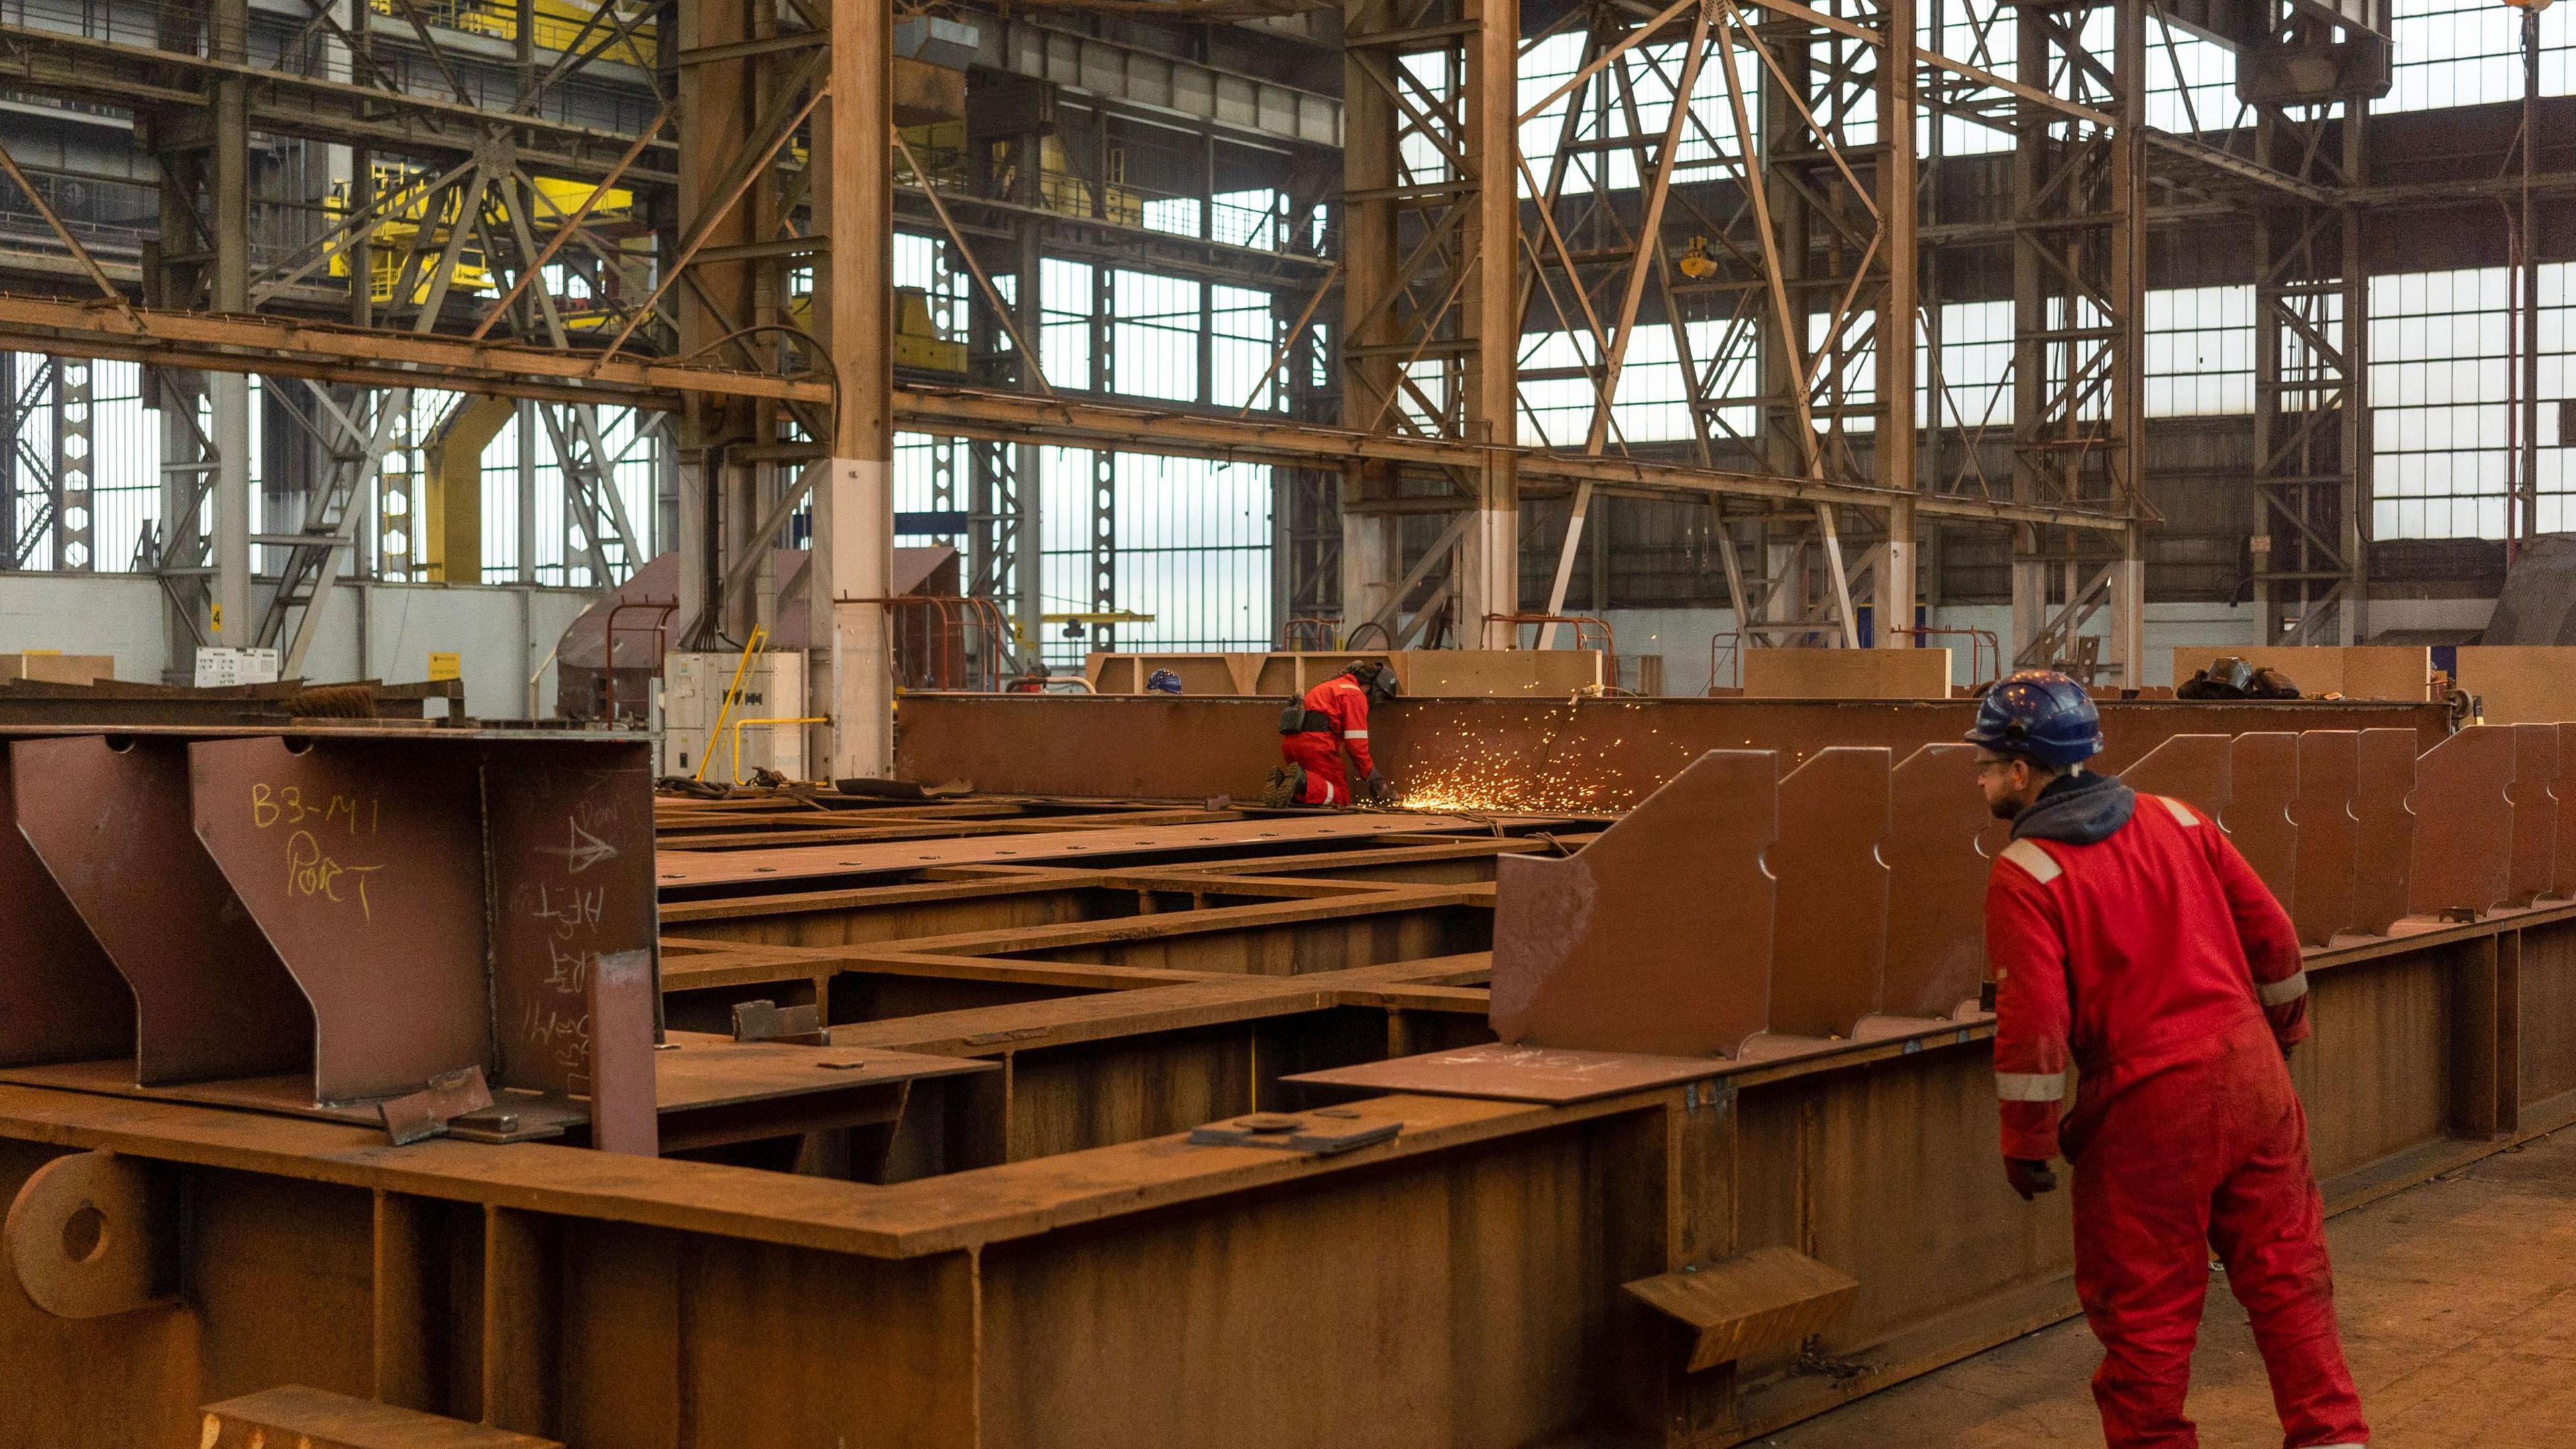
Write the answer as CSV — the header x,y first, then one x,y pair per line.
x,y
1344,701
2158,961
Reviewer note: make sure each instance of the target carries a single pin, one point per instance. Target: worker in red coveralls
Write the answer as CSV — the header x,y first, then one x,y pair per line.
x,y
2129,940
1312,736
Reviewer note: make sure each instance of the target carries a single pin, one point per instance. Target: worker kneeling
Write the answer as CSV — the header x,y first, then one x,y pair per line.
x,y
1312,735
2127,936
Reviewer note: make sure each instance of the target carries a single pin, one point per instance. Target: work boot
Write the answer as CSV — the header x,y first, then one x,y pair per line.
x,y
1286,787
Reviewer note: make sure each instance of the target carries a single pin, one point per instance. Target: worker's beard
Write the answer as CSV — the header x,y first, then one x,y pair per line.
x,y
2004,808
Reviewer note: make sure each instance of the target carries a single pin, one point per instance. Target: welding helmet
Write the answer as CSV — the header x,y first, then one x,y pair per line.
x,y
1163,681
2041,715
1375,678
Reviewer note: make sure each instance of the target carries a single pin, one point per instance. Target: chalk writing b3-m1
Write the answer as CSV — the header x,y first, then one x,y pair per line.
x,y
285,804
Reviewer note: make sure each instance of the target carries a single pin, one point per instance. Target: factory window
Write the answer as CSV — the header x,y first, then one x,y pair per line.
x,y
2199,351
2440,381
1637,101
1976,368
1067,297
1155,335
1191,548
2469,52
1243,335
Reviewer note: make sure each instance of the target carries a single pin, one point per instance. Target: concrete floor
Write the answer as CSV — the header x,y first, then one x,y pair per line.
x,y
2458,1303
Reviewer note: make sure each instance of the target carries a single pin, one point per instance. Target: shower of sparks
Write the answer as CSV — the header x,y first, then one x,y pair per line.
x,y
1480,777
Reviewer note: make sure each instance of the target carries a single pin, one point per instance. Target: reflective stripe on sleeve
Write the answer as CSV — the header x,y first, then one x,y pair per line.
x,y
2288,988
1355,734
2181,813
2030,1086
2034,861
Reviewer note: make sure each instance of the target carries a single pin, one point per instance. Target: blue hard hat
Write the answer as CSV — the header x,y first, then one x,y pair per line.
x,y
2042,714
1163,681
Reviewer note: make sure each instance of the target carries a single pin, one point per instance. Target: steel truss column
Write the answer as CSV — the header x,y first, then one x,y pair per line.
x,y
75,463
1893,588
2078,271
2310,443
1430,302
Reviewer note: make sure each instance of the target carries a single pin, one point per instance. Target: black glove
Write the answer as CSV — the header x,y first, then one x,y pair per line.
x,y
1377,787
2028,1177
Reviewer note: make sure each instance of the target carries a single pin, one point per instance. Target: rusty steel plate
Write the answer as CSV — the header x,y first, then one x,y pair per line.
x,y
1940,845
111,822
60,997
2262,789
1555,1076
618,1036
1520,754
1656,937
2563,873
362,862
1829,928
2535,812
2463,855
2387,837
704,870
571,840
2189,768
2329,835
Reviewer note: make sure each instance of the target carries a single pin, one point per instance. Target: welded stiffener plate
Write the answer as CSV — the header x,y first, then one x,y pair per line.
x,y
2462,861
110,819
1940,847
2325,903
60,998
1657,936
1829,933
364,868
2262,791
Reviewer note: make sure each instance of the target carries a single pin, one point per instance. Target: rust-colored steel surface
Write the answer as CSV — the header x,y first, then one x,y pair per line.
x,y
1940,844
2329,835
1829,928
2462,861
2262,790
1509,1073
989,1176
2563,874
571,835
2536,773
1657,936
365,872
60,997
2189,768
696,871
617,1074
1581,755
110,819
2386,842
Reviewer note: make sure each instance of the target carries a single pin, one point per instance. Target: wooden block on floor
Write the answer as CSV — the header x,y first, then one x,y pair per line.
x,y
2521,684
1770,1298
315,1419
1847,674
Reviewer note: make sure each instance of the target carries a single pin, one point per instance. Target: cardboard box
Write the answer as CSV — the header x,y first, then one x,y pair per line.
x,y
51,668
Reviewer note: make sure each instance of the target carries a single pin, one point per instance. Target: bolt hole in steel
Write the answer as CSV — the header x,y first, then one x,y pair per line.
x,y
85,1234
297,744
